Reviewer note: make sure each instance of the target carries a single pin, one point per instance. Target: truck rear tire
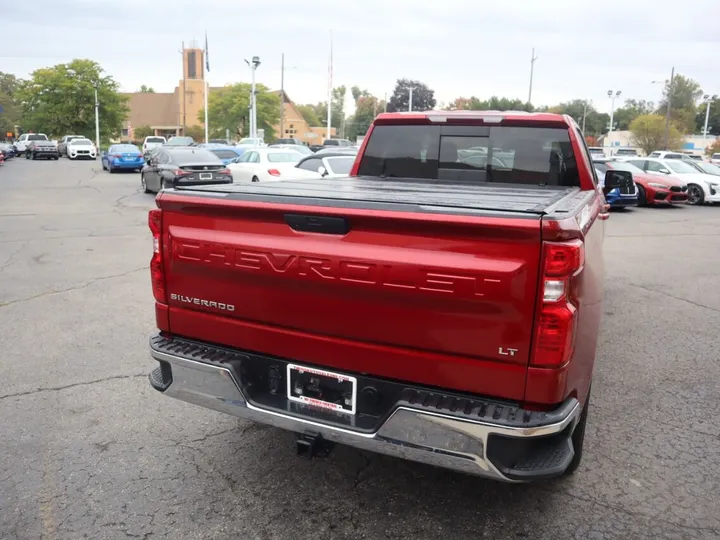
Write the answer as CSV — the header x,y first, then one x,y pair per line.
x,y
578,438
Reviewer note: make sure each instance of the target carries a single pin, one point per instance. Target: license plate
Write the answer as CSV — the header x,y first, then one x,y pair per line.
x,y
322,389
205,176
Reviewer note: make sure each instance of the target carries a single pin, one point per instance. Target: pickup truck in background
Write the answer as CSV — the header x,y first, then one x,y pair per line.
x,y
442,304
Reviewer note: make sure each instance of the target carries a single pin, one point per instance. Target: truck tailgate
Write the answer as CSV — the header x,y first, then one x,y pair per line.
x,y
435,299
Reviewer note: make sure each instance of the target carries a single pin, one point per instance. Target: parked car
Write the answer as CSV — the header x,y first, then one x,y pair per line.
x,y
291,141
264,164
665,154
81,149
707,168
227,154
25,139
326,165
715,159
651,190
419,308
316,147
223,142
180,141
62,145
7,150
626,152
702,187
596,151
42,149
336,143
122,157
252,142
152,141
301,148
170,167
347,150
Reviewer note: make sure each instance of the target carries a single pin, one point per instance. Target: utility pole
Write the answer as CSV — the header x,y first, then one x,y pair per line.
x,y
532,70
708,99
410,91
385,104
184,124
282,97
97,120
667,112
612,97
330,90
207,87
584,116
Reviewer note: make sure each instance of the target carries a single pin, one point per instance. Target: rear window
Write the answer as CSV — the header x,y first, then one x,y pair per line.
x,y
155,140
225,154
283,157
196,156
37,138
341,165
503,154
124,148
715,156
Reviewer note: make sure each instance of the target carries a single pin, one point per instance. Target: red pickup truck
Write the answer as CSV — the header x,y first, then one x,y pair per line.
x,y
442,304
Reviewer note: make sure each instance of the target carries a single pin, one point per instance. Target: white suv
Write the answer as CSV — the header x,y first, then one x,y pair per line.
x,y
715,159
25,138
153,141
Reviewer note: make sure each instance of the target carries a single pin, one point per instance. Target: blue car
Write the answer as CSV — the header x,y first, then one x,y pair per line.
x,y
122,156
226,154
619,193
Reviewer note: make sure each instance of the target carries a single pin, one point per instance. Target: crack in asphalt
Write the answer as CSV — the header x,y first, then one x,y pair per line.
x,y
72,385
74,288
680,298
11,258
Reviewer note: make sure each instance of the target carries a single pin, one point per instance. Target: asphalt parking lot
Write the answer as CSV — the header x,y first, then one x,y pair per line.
x,y
89,450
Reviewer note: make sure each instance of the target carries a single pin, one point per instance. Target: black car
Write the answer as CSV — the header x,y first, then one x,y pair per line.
x,y
169,167
42,149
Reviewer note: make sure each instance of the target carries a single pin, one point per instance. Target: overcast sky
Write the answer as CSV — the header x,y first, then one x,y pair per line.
x,y
457,47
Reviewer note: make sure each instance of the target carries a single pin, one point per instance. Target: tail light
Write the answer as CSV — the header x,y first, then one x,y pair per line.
x,y
224,171
555,331
273,172
157,270
117,155
181,172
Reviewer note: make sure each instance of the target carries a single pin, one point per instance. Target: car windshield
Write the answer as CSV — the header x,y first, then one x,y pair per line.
x,y
709,168
682,168
341,164
37,138
193,156
249,140
224,154
624,166
125,148
180,141
154,140
81,142
284,157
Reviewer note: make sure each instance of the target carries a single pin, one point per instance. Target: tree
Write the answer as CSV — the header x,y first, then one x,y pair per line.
x,y
61,99
11,106
630,111
493,104
337,111
713,120
228,110
141,132
367,107
648,133
423,97
197,132
685,93
147,89
596,123
714,148
309,114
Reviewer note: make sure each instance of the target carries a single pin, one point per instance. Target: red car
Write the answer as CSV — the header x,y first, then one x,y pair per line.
x,y
651,189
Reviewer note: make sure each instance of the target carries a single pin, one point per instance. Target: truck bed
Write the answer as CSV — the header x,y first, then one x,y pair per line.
x,y
409,195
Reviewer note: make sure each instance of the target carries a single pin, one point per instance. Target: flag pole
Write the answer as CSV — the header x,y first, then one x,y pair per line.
x,y
330,89
207,68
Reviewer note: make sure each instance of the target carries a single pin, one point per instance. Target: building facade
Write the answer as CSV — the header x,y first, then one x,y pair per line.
x,y
292,125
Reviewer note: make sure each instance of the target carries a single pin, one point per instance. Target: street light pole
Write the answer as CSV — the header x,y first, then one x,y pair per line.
x,y
667,112
97,120
584,116
708,99
612,97
410,90
532,69
253,101
282,96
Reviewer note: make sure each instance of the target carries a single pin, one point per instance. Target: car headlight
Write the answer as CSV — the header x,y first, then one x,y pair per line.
x,y
657,186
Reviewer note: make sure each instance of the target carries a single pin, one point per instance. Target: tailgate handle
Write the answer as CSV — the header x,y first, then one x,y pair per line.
x,y
317,224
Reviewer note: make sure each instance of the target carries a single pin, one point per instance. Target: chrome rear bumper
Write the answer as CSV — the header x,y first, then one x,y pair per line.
x,y
414,433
